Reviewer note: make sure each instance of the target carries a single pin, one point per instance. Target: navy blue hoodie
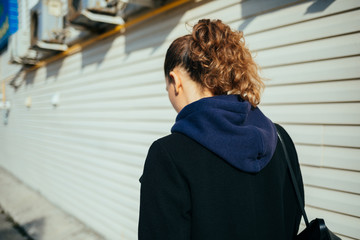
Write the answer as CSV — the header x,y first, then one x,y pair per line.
x,y
231,128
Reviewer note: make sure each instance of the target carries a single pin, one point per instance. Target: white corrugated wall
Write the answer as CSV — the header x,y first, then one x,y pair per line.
x,y
86,155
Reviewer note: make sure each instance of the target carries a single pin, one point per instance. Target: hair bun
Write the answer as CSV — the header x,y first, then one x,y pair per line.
x,y
216,57
208,33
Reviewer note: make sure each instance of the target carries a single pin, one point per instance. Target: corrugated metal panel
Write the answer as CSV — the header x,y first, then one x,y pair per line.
x,y
312,63
86,155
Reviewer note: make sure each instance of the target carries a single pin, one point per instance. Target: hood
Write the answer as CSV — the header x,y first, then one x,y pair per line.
x,y
232,129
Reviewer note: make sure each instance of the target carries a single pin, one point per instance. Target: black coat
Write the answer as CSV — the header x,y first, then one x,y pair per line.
x,y
187,192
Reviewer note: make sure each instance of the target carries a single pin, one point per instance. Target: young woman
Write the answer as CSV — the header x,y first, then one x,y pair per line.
x,y
221,174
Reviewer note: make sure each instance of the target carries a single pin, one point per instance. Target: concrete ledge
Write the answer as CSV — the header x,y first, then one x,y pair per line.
x,y
41,219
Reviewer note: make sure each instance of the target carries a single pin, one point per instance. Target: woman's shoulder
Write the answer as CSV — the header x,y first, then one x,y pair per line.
x,y
180,148
172,144
179,143
174,139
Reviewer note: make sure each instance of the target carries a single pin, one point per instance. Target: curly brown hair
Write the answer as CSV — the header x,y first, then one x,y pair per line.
x,y
216,57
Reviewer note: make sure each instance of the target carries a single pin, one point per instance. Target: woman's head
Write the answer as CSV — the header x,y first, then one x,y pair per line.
x,y
216,58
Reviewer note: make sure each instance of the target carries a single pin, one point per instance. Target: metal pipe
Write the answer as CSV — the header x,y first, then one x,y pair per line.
x,y
3,93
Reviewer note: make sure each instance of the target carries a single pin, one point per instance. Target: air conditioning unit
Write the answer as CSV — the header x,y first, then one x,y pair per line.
x,y
19,48
94,14
99,14
48,25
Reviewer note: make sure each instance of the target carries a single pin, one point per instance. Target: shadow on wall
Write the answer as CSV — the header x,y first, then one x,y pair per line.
x,y
247,13
146,35
319,6
97,53
249,10
15,79
29,77
52,70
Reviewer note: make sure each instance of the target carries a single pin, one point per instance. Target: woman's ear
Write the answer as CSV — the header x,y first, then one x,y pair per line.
x,y
176,80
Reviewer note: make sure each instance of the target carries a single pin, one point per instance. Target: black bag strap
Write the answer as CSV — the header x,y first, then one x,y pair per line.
x,y
292,175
